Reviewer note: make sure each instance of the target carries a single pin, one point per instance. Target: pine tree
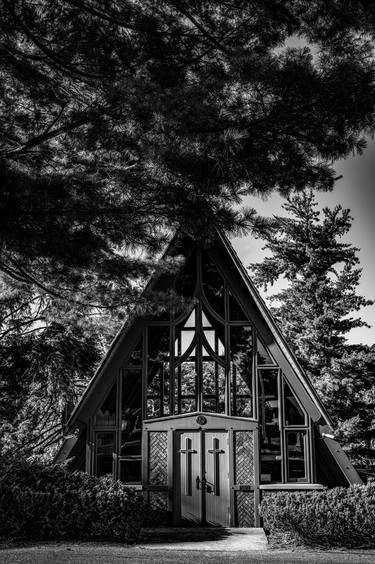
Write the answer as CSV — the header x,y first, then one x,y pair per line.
x,y
316,311
46,360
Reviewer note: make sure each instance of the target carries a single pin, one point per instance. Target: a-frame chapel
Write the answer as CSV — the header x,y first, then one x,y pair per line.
x,y
206,410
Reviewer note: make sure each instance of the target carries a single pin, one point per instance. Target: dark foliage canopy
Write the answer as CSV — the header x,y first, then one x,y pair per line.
x,y
121,119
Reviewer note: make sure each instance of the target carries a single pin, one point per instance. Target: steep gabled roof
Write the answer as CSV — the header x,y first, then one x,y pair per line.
x,y
226,259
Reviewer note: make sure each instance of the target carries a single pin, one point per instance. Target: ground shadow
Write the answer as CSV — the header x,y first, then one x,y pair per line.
x,y
172,535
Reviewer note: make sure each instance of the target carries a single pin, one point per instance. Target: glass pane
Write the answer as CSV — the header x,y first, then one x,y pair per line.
x,y
205,322
244,406
130,471
136,356
269,426
166,392
106,415
241,354
210,336
214,332
185,333
105,446
188,405
186,339
163,315
293,414
295,444
186,279
236,312
154,387
213,386
213,285
210,405
241,346
263,356
185,385
158,378
158,345
159,389
208,378
191,321
131,413
188,378
153,407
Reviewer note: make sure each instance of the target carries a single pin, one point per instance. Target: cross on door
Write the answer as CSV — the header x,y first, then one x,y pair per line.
x,y
188,451
216,451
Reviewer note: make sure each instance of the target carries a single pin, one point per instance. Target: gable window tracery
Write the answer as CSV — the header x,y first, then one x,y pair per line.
x,y
210,363
207,358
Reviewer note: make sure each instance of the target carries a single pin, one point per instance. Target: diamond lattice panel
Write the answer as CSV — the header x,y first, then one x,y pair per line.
x,y
244,457
158,457
158,515
245,509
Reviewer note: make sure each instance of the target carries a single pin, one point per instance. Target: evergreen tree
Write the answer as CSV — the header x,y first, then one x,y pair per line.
x,y
316,311
46,360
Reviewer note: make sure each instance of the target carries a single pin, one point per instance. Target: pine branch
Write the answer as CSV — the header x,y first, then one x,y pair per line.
x,y
16,327
22,306
50,134
51,56
200,27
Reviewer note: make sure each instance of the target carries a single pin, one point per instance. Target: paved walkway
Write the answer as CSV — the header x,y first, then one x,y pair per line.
x,y
100,553
204,539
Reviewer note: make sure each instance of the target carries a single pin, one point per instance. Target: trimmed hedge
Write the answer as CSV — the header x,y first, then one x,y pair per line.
x,y
39,502
339,517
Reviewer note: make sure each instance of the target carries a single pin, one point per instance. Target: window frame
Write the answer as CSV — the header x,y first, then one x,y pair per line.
x,y
306,427
305,432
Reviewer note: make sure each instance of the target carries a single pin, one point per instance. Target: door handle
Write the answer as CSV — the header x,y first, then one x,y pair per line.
x,y
201,483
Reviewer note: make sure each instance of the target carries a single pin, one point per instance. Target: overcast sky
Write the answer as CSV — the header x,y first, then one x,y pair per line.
x,y
355,191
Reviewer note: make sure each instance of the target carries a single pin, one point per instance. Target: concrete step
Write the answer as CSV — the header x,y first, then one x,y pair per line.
x,y
221,539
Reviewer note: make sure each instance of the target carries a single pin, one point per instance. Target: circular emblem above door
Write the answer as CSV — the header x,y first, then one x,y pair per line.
x,y
201,420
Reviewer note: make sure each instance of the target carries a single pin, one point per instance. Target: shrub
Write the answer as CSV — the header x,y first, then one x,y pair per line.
x,y
337,517
38,502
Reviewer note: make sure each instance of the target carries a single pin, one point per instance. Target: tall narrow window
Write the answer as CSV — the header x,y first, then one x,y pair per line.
x,y
213,385
213,285
296,455
186,386
186,280
185,379
131,427
263,354
158,375
296,436
241,354
135,357
293,413
105,447
236,313
106,414
269,425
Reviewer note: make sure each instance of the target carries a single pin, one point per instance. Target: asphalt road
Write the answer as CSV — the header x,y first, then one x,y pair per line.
x,y
95,553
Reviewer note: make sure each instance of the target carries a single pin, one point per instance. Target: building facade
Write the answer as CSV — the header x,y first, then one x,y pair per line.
x,y
204,408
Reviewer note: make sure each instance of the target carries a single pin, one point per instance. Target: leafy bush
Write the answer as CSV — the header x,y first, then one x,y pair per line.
x,y
38,502
337,517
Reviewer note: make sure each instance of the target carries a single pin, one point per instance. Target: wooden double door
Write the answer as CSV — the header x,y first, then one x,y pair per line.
x,y
202,484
